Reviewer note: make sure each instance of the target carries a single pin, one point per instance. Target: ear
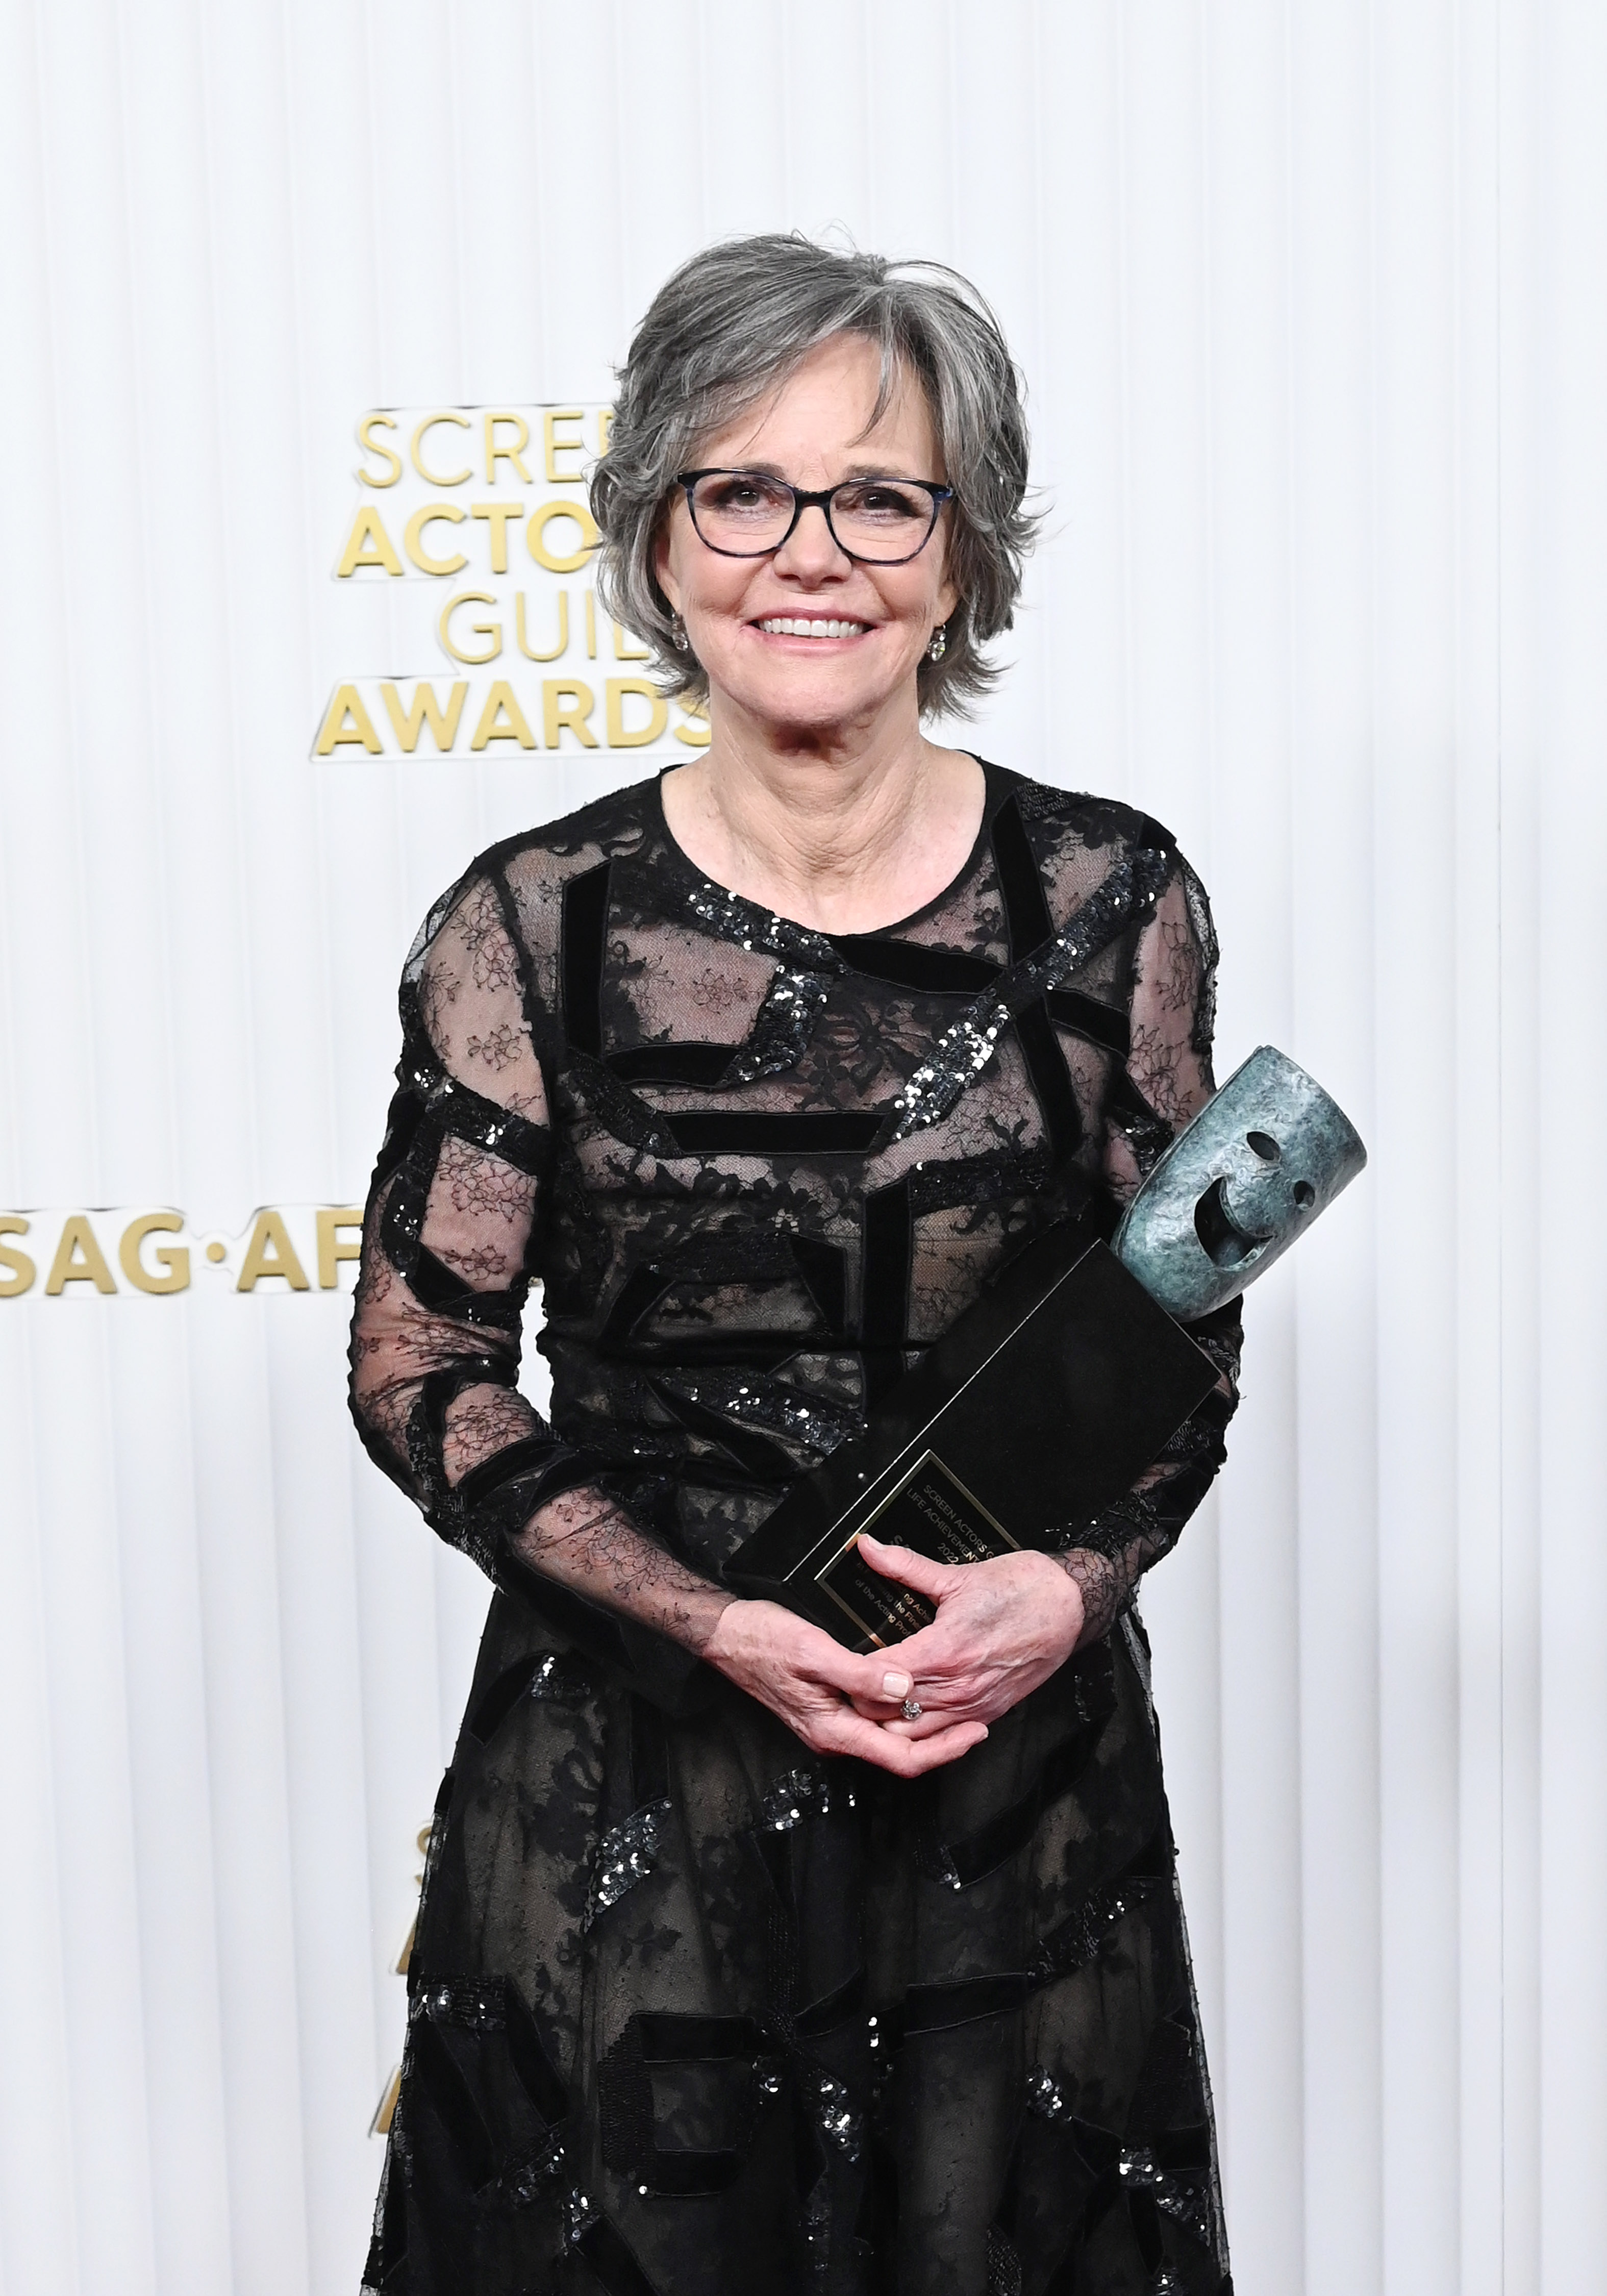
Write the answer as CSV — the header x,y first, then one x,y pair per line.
x,y
661,566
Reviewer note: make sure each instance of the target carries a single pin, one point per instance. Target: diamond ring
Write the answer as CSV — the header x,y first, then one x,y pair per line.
x,y
911,1710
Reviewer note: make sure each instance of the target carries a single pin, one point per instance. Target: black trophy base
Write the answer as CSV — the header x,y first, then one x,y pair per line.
x,y
1046,1402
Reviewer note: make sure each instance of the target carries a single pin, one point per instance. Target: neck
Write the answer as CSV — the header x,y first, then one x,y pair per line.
x,y
839,832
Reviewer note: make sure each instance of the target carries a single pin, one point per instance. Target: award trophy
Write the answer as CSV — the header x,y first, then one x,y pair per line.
x,y
1054,1392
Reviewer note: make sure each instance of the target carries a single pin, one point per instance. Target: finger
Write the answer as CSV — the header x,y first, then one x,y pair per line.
x,y
874,1677
847,1733
932,1725
906,1567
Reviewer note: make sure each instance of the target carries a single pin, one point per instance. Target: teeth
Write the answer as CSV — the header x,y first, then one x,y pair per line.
x,y
781,626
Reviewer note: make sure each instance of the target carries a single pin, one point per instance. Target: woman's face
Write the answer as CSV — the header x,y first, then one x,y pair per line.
x,y
815,431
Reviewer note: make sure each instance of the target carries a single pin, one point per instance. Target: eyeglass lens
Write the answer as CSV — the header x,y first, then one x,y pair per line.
x,y
879,519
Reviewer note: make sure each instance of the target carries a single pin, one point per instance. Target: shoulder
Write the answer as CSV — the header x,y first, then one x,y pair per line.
x,y
611,828
512,895
1056,819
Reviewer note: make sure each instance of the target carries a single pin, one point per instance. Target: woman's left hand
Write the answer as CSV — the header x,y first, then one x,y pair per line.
x,y
1002,1627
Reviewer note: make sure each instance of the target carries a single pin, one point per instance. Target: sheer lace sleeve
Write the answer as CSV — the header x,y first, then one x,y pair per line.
x,y
1168,1067
451,1240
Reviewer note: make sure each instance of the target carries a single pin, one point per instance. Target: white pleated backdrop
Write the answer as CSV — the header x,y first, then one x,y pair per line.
x,y
1310,297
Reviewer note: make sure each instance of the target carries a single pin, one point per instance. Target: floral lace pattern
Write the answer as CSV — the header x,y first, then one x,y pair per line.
x,y
756,1170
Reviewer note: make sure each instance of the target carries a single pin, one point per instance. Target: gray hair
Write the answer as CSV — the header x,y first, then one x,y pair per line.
x,y
729,326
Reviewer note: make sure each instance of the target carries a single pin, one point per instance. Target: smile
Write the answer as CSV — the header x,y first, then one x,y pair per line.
x,y
783,625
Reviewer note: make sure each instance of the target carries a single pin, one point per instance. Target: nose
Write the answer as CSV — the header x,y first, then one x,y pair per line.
x,y
812,552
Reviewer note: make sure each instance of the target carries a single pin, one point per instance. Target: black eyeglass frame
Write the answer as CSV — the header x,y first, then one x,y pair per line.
x,y
803,500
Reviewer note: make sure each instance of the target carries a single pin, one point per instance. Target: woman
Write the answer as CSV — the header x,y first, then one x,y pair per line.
x,y
745,1961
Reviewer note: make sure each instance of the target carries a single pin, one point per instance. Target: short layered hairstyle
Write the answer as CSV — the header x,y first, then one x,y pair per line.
x,y
725,331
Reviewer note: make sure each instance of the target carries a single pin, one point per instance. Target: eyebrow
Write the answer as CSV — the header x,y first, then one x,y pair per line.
x,y
855,471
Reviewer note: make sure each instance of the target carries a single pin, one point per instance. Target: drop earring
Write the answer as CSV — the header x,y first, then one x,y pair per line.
x,y
677,634
938,643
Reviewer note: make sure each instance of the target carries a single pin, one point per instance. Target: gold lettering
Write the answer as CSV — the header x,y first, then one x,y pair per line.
x,y
498,514
348,704
492,630
536,537
367,544
621,737
555,445
414,539
695,730
271,1252
417,451
78,1259
17,1270
172,1258
496,453
591,625
332,1248
500,704
623,653
372,446
525,646
423,710
563,705
605,424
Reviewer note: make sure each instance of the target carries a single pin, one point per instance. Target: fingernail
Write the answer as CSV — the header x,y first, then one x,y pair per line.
x,y
897,1685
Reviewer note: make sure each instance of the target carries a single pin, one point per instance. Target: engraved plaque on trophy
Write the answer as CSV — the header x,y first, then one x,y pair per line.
x,y
1047,1399
1063,1382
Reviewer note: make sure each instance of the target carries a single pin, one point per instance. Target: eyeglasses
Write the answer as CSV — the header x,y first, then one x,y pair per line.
x,y
876,521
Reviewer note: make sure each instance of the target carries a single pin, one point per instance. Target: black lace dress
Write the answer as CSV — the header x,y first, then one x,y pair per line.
x,y
693,2011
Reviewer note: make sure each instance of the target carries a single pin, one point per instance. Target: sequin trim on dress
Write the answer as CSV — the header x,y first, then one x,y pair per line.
x,y
1043,2096
801,1795
752,1401
780,1035
1177,2197
965,1050
626,1855
839,2120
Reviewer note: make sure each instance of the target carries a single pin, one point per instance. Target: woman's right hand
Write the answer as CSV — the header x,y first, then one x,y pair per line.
x,y
836,1702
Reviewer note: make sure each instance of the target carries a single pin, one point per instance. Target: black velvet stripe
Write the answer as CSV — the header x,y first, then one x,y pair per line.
x,y
635,1299
833,2009
884,1311
884,1316
439,1387
435,1286
1051,1079
987,1848
1086,1016
684,2175
1026,910
939,2008
648,1754
694,1064
669,2038
585,935
701,1065
469,1116
719,1132
512,1463
912,964
825,1268
436,2071
402,1120
493,1707
610,2255
537,2074
752,1451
